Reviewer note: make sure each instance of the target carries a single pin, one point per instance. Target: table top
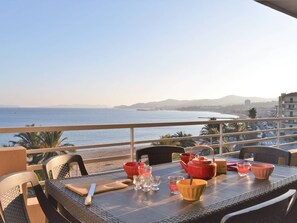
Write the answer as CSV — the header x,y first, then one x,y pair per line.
x,y
224,193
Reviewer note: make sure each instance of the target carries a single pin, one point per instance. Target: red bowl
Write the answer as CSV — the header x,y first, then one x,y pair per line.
x,y
131,168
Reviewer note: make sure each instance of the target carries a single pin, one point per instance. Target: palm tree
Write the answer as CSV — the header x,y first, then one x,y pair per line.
x,y
178,142
213,129
210,131
166,140
237,127
38,140
29,140
207,128
51,140
210,127
184,142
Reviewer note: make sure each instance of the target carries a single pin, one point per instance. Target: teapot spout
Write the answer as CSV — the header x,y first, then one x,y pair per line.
x,y
184,165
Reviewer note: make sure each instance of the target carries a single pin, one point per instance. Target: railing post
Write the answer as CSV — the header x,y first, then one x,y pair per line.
x,y
221,138
132,143
278,133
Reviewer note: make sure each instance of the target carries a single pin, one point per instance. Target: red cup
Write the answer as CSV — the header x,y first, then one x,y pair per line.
x,y
243,168
144,170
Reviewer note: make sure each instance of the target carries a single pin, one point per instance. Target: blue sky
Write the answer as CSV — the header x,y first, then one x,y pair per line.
x,y
123,52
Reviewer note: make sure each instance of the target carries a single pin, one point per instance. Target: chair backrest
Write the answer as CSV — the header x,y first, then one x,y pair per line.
x,y
267,154
12,201
272,211
159,154
58,167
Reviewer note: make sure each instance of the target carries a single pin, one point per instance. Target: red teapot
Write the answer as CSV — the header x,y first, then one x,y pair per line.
x,y
201,167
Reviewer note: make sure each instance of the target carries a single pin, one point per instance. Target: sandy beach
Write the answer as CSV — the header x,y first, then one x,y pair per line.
x,y
105,165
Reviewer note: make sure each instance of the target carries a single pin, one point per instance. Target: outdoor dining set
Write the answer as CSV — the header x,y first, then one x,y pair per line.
x,y
260,187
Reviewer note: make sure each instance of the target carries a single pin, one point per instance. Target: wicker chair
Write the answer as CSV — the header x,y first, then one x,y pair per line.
x,y
159,154
13,206
58,167
267,154
272,211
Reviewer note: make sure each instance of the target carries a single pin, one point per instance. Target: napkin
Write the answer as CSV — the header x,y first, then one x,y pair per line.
x,y
231,166
82,188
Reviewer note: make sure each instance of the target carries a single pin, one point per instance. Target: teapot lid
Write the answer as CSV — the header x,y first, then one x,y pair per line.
x,y
201,160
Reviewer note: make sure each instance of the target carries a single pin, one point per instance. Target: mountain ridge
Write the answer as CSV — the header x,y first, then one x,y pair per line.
x,y
174,103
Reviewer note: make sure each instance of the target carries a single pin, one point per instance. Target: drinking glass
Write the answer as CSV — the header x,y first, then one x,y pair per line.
x,y
146,183
156,181
145,170
243,168
172,180
137,182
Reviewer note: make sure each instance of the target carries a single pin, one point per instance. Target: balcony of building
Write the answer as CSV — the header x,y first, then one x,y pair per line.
x,y
111,156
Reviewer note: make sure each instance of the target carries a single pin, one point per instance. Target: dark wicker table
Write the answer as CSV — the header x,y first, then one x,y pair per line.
x,y
224,194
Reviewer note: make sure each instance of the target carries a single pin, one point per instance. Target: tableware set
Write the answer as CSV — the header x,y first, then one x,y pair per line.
x,y
199,169
261,171
142,176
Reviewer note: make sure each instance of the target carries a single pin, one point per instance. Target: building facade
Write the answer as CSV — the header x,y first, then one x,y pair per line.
x,y
288,108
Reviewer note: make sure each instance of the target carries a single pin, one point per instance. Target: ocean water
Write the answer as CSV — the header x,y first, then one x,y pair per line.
x,y
19,117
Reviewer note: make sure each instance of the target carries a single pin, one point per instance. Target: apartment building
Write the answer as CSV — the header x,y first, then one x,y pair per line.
x,y
288,108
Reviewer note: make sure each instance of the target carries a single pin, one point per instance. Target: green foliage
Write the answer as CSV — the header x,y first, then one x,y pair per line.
x,y
252,113
211,129
168,140
38,140
214,129
184,142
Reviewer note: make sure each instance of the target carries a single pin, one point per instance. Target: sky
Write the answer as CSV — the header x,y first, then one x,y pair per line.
x,y
121,52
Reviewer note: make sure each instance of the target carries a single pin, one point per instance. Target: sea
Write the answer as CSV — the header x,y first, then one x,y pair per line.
x,y
20,117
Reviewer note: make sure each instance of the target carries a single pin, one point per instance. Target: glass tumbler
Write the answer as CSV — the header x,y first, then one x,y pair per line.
x,y
146,183
172,180
145,170
243,168
156,181
137,182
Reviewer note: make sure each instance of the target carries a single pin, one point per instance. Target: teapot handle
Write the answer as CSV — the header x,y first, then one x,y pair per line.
x,y
204,147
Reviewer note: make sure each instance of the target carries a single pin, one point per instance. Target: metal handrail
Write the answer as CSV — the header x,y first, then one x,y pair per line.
x,y
132,142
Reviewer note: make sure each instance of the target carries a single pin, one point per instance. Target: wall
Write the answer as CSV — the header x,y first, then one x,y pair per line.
x,y
14,159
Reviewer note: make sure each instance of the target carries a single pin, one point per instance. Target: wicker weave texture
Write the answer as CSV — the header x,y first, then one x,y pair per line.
x,y
14,206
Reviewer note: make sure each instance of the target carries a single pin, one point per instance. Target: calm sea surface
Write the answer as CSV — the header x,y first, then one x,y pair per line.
x,y
19,117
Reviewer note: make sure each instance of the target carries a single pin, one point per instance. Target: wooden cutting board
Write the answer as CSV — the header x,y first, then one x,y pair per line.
x,y
82,188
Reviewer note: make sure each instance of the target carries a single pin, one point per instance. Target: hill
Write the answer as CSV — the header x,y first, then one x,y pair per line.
x,y
175,104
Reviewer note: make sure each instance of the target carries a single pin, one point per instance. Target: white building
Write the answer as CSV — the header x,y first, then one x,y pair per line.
x,y
288,108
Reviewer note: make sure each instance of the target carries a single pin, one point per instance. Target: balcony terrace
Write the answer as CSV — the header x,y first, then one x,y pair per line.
x,y
266,131
225,143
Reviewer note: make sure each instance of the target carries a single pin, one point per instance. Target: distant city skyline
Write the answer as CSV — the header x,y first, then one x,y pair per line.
x,y
117,52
